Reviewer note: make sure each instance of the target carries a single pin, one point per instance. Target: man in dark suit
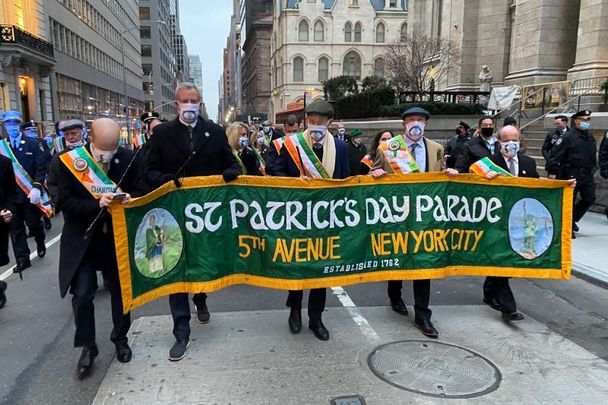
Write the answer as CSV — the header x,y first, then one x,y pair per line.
x,y
428,155
479,147
8,199
33,159
561,127
333,155
188,146
82,254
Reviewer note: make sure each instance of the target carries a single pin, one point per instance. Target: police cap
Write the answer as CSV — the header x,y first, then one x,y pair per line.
x,y
320,107
582,113
28,125
149,115
464,125
11,116
416,111
70,124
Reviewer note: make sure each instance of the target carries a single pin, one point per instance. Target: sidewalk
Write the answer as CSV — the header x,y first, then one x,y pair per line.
x,y
251,358
590,249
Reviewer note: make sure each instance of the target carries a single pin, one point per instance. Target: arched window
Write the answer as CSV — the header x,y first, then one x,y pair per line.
x,y
403,30
348,32
358,32
298,69
380,30
352,65
323,69
319,31
303,31
379,67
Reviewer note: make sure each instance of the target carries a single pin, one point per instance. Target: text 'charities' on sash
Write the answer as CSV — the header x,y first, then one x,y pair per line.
x,y
291,234
82,165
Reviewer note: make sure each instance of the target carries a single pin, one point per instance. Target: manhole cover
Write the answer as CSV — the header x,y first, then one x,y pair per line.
x,y
435,369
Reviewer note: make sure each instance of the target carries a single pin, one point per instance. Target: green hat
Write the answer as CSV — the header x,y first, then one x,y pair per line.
x,y
356,132
321,107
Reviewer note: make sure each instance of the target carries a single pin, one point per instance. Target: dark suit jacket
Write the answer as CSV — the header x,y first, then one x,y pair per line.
x,y
527,165
8,199
169,149
79,209
272,155
474,150
34,160
285,166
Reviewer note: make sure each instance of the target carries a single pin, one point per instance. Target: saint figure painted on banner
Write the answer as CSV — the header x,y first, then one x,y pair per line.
x,y
155,240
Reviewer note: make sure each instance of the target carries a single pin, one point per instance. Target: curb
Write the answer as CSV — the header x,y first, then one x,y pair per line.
x,y
590,275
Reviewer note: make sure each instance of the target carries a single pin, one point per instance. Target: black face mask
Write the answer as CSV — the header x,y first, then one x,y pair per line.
x,y
487,132
457,131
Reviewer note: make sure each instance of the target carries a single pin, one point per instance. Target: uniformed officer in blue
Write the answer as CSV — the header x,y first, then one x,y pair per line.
x,y
574,156
33,160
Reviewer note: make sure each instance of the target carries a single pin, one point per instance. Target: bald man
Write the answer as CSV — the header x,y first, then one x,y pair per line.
x,y
82,254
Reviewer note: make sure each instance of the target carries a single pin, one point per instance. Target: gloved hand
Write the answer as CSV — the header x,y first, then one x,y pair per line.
x,y
170,177
230,175
35,196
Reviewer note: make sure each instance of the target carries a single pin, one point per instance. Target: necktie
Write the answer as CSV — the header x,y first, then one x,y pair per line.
x,y
15,144
104,166
190,129
512,167
413,150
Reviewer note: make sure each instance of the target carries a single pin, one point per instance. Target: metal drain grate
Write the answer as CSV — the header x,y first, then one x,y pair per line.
x,y
434,369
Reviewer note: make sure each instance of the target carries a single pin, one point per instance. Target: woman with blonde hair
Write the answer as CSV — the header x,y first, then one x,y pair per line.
x,y
238,139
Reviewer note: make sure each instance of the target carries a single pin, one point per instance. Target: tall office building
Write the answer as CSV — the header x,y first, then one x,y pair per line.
x,y
26,60
158,55
180,47
89,38
196,70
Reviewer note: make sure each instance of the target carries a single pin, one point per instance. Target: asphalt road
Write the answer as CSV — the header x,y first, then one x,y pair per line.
x,y
37,358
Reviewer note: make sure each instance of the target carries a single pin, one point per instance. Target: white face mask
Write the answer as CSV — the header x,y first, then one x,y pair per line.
x,y
188,112
509,149
261,140
74,145
243,141
415,130
104,156
317,132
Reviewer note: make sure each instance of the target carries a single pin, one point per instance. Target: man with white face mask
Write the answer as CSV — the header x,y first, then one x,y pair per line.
x,y
428,155
496,290
203,145
73,137
314,153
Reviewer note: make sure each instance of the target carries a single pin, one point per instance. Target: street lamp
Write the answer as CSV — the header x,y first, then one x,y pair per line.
x,y
124,72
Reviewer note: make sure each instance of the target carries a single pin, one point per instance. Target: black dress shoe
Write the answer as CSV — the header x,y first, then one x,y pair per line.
x,y
22,266
574,227
3,286
513,316
47,224
295,320
399,307
85,363
123,352
319,330
573,235
41,251
178,351
493,302
427,328
202,313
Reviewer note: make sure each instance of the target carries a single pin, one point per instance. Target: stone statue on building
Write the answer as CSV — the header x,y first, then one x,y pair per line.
x,y
485,77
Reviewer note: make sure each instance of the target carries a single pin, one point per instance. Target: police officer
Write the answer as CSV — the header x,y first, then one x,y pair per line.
x,y
150,119
33,160
8,197
561,127
603,160
455,146
574,157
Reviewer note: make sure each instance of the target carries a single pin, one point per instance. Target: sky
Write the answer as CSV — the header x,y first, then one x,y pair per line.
x,y
205,24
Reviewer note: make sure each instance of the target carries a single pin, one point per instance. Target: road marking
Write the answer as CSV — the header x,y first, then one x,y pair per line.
x,y
354,313
33,256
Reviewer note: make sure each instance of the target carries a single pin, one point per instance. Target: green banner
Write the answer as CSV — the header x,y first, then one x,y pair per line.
x,y
288,233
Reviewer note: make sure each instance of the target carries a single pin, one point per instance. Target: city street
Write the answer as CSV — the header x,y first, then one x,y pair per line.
x,y
562,344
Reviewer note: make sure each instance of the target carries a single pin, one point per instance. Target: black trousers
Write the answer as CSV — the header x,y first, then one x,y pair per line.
x,y
316,302
422,297
83,287
180,311
499,289
29,214
585,187
4,230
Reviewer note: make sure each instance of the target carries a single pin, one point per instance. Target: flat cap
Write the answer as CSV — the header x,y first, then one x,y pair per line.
x,y
70,124
11,116
149,115
320,107
28,125
356,132
416,111
582,113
